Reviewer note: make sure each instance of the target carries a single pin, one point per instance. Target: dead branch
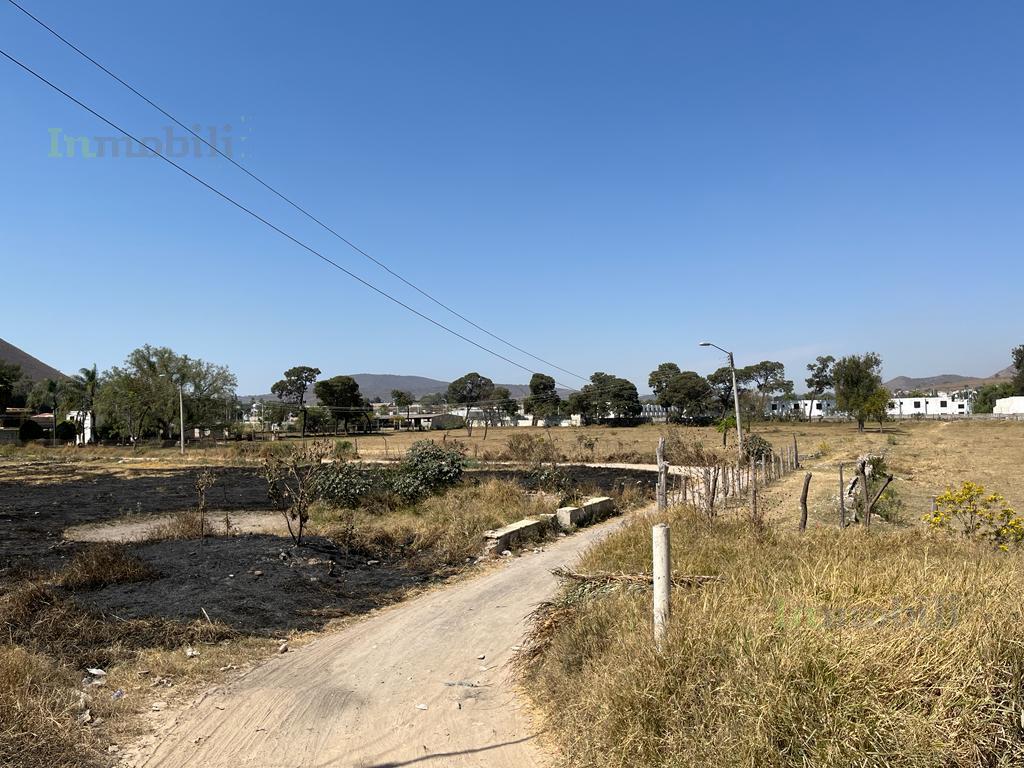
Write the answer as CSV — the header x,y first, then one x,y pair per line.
x,y
644,579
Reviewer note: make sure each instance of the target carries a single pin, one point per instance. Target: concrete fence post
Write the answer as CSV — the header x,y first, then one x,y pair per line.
x,y
662,581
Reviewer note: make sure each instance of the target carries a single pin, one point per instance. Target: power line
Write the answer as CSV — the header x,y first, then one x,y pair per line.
x,y
283,233
288,200
259,218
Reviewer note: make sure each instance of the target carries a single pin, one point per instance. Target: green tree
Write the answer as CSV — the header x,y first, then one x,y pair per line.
x,y
293,387
660,377
820,379
469,390
877,406
10,377
432,400
606,395
341,395
687,392
721,388
857,380
403,399
769,379
543,402
142,395
502,405
985,398
80,396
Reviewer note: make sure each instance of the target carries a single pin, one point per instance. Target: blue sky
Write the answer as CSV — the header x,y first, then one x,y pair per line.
x,y
602,184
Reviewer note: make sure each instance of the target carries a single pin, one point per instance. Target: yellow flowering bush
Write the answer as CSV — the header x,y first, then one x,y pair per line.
x,y
977,514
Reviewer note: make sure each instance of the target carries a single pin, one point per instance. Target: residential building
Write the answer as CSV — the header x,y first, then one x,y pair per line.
x,y
1009,406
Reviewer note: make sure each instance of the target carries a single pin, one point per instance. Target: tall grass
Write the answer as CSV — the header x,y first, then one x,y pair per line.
x,y
442,530
831,649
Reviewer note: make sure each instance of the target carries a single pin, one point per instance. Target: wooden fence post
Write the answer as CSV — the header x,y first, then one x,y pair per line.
x,y
842,498
662,570
662,476
803,502
796,454
764,473
863,475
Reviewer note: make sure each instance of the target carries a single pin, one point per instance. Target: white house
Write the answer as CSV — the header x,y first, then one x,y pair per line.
x,y
801,408
82,419
1009,406
942,404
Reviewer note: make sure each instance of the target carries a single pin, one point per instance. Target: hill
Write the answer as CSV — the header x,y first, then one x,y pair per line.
x,y
947,380
33,368
374,385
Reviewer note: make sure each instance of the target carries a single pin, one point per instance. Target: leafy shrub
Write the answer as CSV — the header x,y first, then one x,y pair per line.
x,y
344,485
756,447
977,514
427,468
66,432
447,421
29,431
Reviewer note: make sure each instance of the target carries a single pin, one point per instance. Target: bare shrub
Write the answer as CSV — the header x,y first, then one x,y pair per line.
x,y
530,448
291,480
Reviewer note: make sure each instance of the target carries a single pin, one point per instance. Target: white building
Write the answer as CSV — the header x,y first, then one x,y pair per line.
x,y
942,404
82,420
801,408
1009,406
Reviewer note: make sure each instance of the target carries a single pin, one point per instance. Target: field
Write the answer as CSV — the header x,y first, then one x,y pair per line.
x,y
71,600
869,648
167,613
925,456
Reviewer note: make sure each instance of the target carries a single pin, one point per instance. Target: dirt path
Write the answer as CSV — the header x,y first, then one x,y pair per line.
x,y
129,529
404,687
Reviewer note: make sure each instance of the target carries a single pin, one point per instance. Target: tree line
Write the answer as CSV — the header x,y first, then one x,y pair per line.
x,y
139,398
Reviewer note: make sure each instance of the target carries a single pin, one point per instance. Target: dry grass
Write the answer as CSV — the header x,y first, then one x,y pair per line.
x,y
40,704
101,564
440,531
48,641
880,648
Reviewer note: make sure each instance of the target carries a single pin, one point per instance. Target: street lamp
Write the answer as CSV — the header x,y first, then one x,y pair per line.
x,y
181,410
735,396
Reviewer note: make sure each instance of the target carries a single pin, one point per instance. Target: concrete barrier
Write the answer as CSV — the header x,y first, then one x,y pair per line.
x,y
589,512
569,517
514,534
598,508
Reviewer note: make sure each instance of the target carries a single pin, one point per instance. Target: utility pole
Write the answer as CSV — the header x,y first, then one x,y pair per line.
x,y
735,396
181,414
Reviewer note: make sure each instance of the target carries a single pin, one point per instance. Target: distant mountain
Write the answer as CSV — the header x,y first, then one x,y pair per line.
x,y
374,385
33,368
948,380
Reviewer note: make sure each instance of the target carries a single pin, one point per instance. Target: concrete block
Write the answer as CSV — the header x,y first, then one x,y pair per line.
x,y
571,516
598,508
515,534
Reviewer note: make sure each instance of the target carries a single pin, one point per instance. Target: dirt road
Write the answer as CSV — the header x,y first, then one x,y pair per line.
x,y
423,683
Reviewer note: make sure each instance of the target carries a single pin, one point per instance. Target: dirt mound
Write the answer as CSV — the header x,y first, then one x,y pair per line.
x,y
254,583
